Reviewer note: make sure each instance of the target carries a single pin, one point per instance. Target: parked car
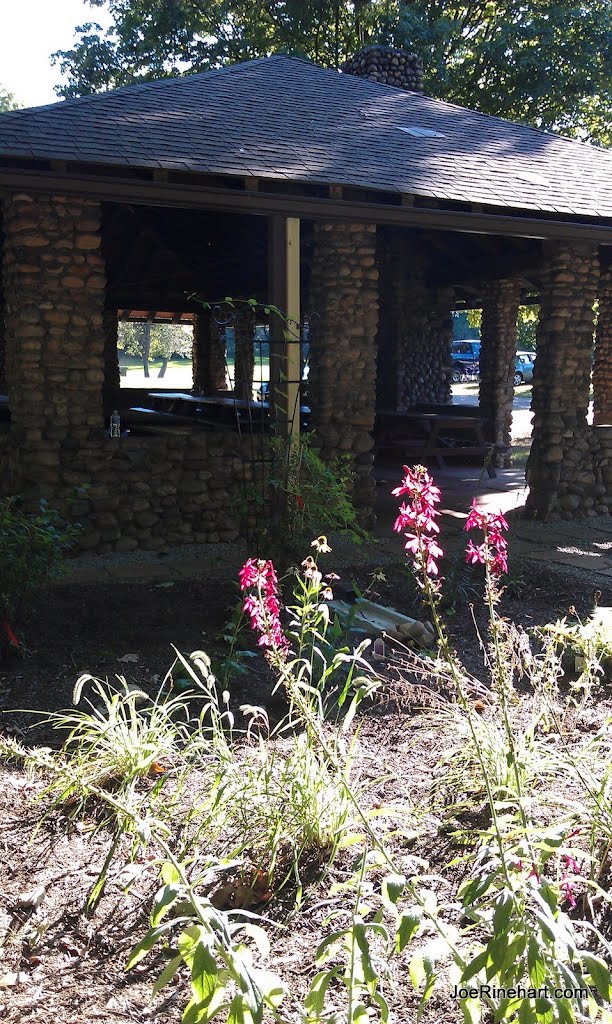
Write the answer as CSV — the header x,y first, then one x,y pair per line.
x,y
523,368
466,360
465,356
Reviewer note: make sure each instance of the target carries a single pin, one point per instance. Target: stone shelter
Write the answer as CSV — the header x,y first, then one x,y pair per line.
x,y
350,196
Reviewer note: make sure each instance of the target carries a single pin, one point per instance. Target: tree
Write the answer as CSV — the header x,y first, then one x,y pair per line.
x,y
546,63
7,100
152,39
543,62
154,341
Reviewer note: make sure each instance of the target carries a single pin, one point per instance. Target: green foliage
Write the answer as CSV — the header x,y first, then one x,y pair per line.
x,y
167,340
467,325
306,495
32,551
216,947
7,100
544,62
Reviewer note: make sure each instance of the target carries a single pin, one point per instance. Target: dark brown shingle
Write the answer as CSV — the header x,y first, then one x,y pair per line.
x,y
286,118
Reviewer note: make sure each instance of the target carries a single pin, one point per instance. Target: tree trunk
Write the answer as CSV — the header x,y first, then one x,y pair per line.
x,y
146,347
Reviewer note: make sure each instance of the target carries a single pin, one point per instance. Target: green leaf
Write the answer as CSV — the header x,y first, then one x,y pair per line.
x,y
146,944
383,1006
526,1014
391,890
477,964
407,928
502,912
163,901
471,1010
204,973
535,964
599,974
416,970
360,1014
167,974
470,891
315,999
169,874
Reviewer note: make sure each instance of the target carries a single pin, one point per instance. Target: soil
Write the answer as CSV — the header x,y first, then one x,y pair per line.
x,y
59,964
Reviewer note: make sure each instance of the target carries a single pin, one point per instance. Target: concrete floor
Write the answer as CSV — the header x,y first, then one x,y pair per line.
x,y
580,543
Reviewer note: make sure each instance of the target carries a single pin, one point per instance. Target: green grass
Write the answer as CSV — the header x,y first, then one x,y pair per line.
x,y
520,452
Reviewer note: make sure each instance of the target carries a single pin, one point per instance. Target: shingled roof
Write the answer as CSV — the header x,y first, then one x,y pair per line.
x,y
282,117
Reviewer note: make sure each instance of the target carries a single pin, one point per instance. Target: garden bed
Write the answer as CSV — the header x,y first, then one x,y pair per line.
x,y
61,965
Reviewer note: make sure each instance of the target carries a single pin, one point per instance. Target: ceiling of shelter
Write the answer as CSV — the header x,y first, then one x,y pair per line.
x,y
156,257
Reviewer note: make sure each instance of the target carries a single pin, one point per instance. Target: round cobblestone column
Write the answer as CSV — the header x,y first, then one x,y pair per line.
x,y
560,469
415,328
497,362
2,336
244,365
54,281
602,365
342,382
112,377
208,354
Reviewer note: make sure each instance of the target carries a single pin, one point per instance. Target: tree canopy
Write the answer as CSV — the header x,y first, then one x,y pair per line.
x,y
7,100
542,62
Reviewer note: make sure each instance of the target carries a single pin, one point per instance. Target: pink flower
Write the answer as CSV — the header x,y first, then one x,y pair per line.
x,y
263,607
567,885
416,519
494,551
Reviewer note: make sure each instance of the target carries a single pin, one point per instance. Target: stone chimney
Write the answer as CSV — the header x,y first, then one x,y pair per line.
x,y
388,66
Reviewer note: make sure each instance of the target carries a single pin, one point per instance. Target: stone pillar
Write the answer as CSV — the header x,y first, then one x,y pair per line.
x,y
342,382
244,366
208,354
415,328
602,366
497,362
560,469
112,378
2,338
54,281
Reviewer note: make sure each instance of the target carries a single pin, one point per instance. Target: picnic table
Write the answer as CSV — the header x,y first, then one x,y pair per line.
x,y
432,436
224,410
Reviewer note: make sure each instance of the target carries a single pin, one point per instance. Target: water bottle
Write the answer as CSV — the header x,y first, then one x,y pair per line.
x,y
115,424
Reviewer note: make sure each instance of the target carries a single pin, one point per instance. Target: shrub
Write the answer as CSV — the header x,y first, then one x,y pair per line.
x,y
33,546
301,497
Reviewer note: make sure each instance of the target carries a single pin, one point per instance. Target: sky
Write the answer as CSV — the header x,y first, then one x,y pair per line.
x,y
30,30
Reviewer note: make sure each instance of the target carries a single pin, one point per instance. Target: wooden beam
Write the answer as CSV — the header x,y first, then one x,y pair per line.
x,y
284,293
304,207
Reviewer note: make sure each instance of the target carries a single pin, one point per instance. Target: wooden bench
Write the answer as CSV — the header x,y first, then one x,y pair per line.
x,y
434,436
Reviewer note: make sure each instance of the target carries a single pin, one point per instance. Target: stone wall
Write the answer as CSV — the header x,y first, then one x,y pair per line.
x,y
152,491
342,382
566,466
497,362
415,328
140,490
602,365
388,66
